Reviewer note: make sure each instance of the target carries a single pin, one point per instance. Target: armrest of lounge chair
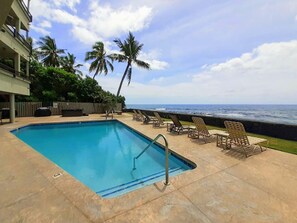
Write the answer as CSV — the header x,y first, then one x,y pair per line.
x,y
255,140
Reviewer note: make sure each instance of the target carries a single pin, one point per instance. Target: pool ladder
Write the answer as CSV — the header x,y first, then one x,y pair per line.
x,y
166,156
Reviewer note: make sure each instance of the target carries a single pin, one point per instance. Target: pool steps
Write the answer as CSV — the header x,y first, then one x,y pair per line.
x,y
109,192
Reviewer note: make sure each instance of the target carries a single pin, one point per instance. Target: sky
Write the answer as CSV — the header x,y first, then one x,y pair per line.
x,y
200,52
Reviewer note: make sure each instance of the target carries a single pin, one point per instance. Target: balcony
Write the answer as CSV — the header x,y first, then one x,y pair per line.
x,y
13,82
26,10
14,41
13,72
19,10
18,36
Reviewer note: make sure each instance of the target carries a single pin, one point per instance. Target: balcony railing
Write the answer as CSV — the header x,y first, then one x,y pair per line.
x,y
17,35
14,72
25,8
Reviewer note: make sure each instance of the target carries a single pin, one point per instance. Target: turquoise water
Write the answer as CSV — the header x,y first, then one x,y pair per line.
x,y
100,154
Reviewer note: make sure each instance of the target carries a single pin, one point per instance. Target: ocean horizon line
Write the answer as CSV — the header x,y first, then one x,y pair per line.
x,y
201,104
276,113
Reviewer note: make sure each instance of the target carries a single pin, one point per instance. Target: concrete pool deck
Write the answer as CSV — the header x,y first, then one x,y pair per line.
x,y
224,187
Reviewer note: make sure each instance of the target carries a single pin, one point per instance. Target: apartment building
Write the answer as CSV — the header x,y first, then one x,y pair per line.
x,y
14,51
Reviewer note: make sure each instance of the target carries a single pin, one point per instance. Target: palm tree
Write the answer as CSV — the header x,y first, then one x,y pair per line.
x,y
129,51
48,52
34,55
68,64
101,61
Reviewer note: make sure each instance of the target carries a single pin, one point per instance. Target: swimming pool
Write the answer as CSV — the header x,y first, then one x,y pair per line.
x,y
100,154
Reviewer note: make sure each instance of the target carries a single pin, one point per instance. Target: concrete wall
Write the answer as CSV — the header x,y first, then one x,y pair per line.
x,y
22,15
281,131
14,44
4,10
10,84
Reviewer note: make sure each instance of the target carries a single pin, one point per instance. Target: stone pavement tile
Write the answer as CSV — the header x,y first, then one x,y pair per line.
x,y
173,207
202,169
286,160
218,157
45,206
98,208
8,155
225,198
273,178
18,180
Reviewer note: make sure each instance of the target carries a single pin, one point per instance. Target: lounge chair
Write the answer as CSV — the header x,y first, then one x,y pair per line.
x,y
159,121
177,126
238,137
201,130
140,116
148,119
135,115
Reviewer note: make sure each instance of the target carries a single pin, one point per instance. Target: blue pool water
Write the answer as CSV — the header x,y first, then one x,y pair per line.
x,y
100,154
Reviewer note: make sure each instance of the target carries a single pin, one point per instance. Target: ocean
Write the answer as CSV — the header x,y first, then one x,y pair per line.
x,y
282,114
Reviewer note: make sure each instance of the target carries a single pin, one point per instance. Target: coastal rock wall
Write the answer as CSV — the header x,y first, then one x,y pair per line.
x,y
281,131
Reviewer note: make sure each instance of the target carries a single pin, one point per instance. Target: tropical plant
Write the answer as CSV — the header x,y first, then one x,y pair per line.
x,y
48,51
129,51
101,61
34,55
68,64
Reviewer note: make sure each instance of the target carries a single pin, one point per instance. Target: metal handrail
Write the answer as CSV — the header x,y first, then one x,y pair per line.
x,y
25,8
166,156
17,35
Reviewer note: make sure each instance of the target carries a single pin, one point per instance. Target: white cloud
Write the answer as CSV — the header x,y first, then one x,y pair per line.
x,y
151,58
265,75
157,64
64,17
110,22
102,21
39,30
68,3
40,8
45,24
84,35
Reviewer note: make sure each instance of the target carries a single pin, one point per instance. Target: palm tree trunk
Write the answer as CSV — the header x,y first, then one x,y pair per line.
x,y
120,87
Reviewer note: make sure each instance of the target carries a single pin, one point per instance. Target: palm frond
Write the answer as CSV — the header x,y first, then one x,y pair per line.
x,y
100,59
142,64
119,43
78,65
118,57
110,65
49,52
